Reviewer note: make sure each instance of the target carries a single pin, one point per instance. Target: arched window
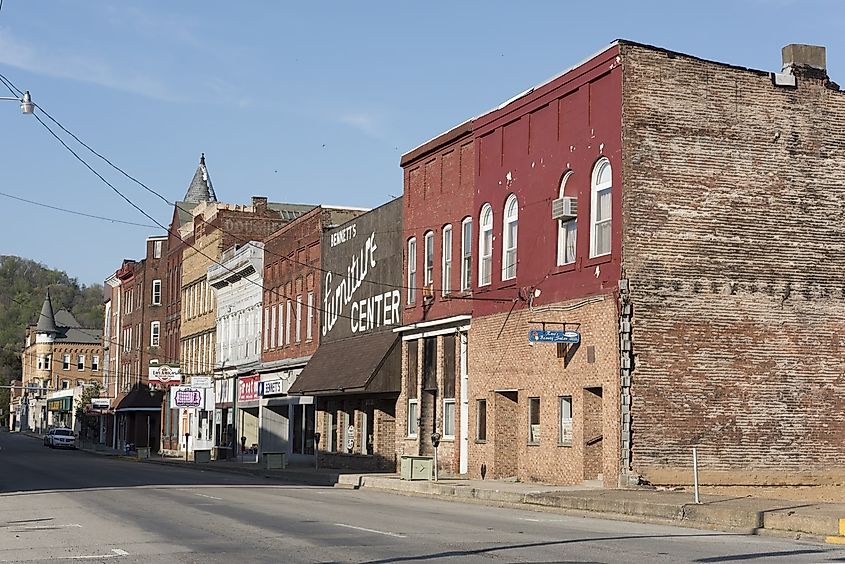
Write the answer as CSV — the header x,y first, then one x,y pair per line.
x,y
510,238
600,208
567,230
485,245
466,254
412,270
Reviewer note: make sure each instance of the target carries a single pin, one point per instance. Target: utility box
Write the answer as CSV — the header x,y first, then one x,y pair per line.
x,y
273,460
202,456
143,453
416,467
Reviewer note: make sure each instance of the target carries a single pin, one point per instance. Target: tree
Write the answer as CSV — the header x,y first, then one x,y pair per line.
x,y
88,421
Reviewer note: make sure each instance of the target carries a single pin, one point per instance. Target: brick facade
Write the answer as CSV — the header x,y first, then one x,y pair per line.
x,y
732,244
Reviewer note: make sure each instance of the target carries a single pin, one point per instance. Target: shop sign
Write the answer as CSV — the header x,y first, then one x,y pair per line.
x,y
544,336
350,438
100,403
248,388
60,404
202,381
273,387
165,375
185,397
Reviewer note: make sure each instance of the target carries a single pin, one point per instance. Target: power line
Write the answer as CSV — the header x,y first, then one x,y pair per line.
x,y
83,214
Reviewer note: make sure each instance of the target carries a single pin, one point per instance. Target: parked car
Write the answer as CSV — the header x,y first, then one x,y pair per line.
x,y
60,437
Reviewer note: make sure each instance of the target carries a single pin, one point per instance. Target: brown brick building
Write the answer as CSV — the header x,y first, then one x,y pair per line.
x,y
675,217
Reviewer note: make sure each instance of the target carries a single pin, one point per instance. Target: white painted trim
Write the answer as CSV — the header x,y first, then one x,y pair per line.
x,y
435,333
433,323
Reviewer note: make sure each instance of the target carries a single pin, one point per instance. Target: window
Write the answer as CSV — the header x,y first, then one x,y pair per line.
x,y
80,383
481,420
299,318
449,418
428,273
565,436
411,383
510,238
430,363
533,420
309,329
95,362
412,418
466,254
600,209
566,231
273,311
266,328
65,384
287,323
66,362
157,249
446,261
155,333
412,270
80,362
280,325
485,245
41,362
48,362
156,292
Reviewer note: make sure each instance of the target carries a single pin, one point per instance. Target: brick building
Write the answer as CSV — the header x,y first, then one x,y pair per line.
x,y
439,182
291,328
355,373
637,200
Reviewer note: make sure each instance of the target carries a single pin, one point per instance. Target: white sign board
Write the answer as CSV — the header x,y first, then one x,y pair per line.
x,y
189,397
350,438
100,403
202,382
165,375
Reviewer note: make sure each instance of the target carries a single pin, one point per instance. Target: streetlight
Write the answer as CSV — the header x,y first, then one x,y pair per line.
x,y
27,107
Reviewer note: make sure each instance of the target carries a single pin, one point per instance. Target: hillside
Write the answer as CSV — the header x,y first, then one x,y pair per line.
x,y
23,284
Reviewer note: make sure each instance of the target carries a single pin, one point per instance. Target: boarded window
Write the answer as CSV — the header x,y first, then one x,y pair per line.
x,y
412,370
449,366
430,363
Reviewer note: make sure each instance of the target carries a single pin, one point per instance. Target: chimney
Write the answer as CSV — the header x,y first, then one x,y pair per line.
x,y
259,204
807,60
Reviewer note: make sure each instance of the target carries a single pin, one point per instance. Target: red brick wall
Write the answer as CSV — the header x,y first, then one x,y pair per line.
x,y
733,245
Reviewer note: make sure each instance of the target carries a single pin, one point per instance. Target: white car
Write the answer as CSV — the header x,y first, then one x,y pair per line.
x,y
60,437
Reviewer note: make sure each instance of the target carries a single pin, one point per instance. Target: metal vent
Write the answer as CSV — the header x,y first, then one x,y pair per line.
x,y
564,208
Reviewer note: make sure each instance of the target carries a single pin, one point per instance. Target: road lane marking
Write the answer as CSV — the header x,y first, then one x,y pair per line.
x,y
115,553
209,496
386,533
45,527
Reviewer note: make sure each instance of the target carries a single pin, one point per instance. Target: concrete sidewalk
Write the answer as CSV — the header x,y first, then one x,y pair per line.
x,y
820,521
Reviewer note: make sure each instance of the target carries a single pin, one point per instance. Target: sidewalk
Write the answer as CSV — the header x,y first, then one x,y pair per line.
x,y
818,521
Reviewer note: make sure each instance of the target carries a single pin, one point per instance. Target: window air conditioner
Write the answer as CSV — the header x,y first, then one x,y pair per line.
x,y
565,208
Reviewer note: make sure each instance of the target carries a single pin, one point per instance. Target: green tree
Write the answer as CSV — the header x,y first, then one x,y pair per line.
x,y
88,422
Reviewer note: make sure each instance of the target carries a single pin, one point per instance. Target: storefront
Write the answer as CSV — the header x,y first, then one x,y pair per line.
x,y
225,441
287,422
139,419
60,411
195,406
247,416
355,374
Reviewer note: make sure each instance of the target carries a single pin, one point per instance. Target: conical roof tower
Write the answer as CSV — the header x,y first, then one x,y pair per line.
x,y
46,320
201,189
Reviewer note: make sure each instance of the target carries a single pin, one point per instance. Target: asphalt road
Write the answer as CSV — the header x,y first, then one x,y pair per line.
x,y
81,507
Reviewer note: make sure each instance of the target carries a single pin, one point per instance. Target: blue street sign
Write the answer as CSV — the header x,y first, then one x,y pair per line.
x,y
543,336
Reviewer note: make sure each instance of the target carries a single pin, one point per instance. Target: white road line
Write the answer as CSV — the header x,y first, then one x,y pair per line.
x,y
541,520
209,496
115,553
46,527
371,530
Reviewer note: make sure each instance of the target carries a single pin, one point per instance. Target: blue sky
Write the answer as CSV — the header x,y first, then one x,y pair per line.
x,y
302,102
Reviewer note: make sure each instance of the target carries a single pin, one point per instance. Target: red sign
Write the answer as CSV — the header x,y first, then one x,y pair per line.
x,y
248,388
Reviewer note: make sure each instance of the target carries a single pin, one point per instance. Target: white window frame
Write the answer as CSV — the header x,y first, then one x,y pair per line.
x,y
428,256
412,421
266,328
466,254
596,191
309,329
485,245
412,271
155,299
446,434
567,230
66,362
157,249
510,238
446,260
155,333
80,365
287,322
564,421
274,311
95,362
299,318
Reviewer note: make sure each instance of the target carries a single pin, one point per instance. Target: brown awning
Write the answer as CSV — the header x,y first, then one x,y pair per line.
x,y
362,364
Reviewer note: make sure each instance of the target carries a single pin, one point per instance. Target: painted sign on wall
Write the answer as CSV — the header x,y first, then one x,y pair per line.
x,y
248,388
362,262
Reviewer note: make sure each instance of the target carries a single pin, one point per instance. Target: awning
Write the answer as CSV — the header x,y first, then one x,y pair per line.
x,y
139,399
369,363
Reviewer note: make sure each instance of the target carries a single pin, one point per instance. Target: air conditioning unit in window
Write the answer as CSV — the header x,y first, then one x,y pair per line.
x,y
565,208
428,292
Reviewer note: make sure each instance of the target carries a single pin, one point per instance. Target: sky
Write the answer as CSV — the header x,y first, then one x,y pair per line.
x,y
311,102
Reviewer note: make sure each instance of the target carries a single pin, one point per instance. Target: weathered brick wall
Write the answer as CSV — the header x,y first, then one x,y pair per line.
x,y
733,242
501,358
